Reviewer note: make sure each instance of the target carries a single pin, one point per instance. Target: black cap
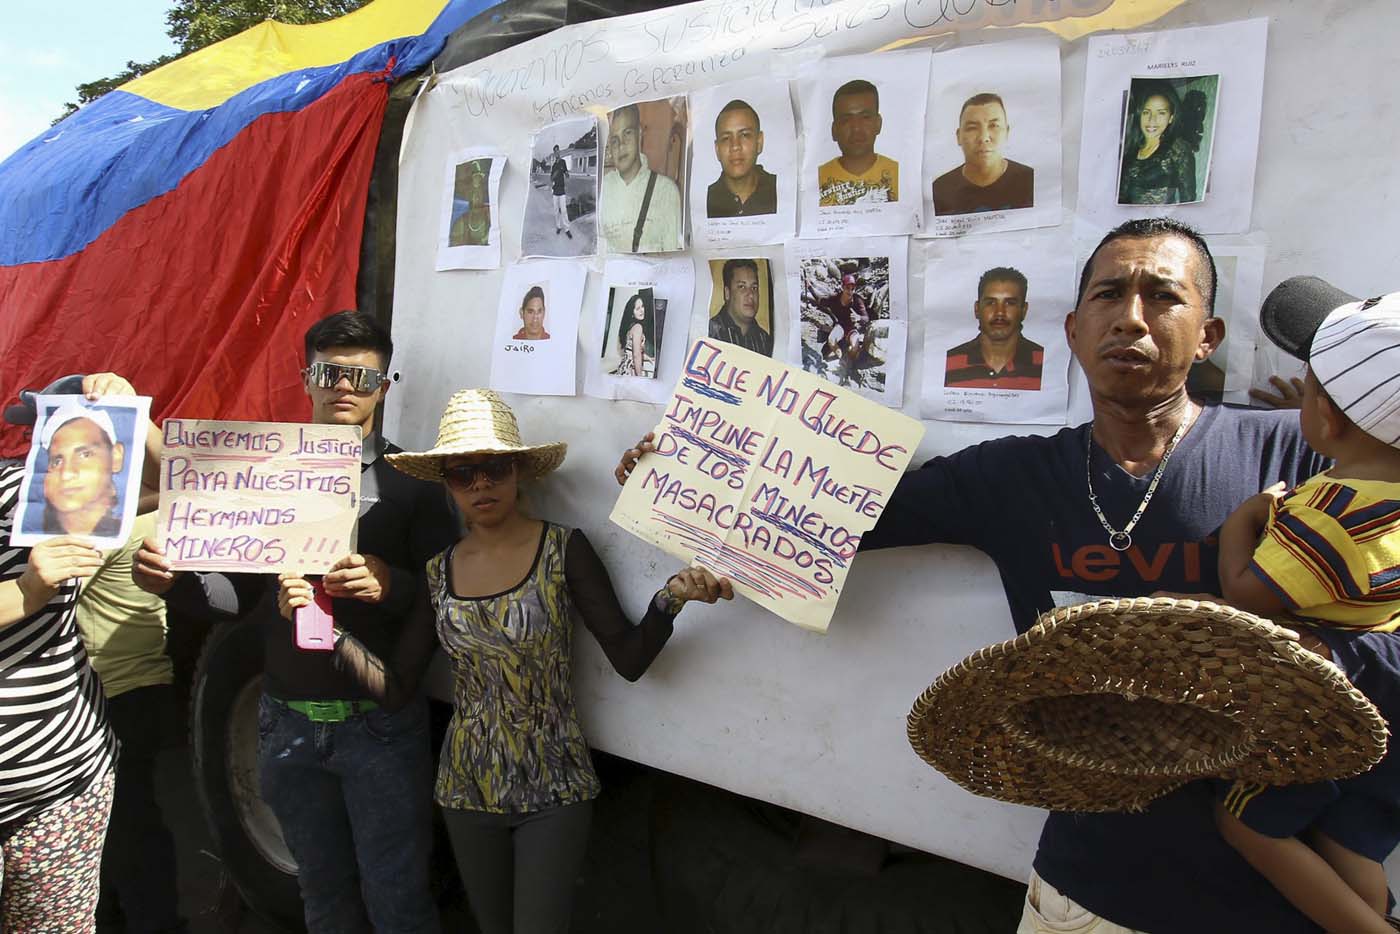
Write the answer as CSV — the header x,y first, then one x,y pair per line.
x,y
1296,308
25,412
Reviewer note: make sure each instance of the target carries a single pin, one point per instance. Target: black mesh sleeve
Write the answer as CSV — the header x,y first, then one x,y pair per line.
x,y
395,683
629,648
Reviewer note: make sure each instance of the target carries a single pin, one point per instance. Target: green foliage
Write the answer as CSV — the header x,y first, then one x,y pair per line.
x,y
193,24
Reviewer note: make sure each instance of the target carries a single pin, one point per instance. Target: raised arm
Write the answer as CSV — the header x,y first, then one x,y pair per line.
x,y
629,648
97,385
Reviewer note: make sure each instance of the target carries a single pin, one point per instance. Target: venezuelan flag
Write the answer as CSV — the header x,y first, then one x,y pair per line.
x,y
185,229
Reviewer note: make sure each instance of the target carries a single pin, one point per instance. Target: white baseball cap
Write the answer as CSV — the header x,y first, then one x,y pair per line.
x,y
1352,345
73,409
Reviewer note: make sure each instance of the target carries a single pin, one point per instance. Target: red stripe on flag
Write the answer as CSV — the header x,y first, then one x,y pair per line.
x,y
200,297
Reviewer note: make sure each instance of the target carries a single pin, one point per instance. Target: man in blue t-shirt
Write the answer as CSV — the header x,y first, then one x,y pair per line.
x,y
1127,505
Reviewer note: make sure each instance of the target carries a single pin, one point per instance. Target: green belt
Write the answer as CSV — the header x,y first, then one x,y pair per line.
x,y
329,711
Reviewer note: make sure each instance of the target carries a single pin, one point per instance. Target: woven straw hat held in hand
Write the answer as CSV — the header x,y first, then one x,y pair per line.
x,y
477,421
1106,706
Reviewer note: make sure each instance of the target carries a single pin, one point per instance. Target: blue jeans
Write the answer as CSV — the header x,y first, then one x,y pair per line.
x,y
354,800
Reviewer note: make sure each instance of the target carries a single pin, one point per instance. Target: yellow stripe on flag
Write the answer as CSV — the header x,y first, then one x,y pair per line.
x,y
212,75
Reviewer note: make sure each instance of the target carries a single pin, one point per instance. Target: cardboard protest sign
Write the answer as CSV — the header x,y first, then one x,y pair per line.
x,y
767,475
260,497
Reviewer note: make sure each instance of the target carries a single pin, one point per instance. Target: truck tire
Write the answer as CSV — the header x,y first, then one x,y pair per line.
x,y
723,864
224,739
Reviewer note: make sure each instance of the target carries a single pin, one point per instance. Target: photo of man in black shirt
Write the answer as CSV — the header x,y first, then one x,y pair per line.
x,y
743,188
736,321
987,180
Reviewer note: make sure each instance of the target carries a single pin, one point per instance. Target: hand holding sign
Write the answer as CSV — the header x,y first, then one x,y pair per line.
x,y
262,497
699,584
765,474
358,577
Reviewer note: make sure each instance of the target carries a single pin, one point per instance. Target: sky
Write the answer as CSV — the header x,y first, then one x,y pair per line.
x,y
49,47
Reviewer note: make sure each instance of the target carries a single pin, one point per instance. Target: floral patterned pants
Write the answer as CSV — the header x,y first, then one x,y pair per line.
x,y
49,880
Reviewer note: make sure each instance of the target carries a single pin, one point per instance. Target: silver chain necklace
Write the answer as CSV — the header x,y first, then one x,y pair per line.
x,y
1123,540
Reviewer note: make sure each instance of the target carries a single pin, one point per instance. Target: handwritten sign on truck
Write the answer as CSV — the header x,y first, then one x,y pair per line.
x,y
767,475
262,497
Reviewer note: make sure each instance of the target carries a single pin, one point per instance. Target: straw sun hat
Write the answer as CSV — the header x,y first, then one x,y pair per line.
x,y
1106,706
477,421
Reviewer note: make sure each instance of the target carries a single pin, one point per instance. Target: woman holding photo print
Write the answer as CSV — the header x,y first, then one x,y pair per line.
x,y
57,750
636,337
1163,136
515,780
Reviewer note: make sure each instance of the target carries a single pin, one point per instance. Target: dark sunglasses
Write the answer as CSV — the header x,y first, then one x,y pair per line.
x,y
494,469
327,375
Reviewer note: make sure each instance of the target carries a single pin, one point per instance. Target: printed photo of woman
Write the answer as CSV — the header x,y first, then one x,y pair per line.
x,y
637,337
1167,136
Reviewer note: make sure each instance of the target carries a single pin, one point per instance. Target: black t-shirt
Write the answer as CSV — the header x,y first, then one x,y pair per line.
x,y
721,202
1024,502
403,521
954,194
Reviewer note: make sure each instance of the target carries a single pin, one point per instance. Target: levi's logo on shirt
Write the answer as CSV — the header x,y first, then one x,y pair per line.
x,y
1177,562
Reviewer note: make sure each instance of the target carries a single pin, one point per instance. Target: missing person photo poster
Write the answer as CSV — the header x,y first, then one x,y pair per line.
x,y
863,143
744,165
561,203
1168,129
992,156
536,332
643,187
632,332
637,335
83,473
994,342
852,324
1171,126
743,308
1228,373
470,232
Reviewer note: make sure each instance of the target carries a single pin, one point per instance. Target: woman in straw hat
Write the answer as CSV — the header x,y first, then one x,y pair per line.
x,y
515,781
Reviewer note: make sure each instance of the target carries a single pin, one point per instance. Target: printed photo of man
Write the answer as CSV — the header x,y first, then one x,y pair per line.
x,y
84,458
1000,356
641,207
987,180
532,317
850,322
743,188
860,175
561,201
558,180
736,321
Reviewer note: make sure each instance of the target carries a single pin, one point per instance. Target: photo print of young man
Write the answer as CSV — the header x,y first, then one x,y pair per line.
x,y
561,204
644,177
741,303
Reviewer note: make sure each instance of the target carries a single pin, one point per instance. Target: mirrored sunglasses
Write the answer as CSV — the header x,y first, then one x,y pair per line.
x,y
323,375
494,469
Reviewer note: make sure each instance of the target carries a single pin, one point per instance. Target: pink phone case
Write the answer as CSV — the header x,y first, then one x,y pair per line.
x,y
315,623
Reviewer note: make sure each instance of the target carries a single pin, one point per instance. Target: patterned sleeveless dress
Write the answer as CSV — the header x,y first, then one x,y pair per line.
x,y
514,745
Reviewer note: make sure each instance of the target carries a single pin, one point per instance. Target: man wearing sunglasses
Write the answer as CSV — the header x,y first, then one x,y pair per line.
x,y
350,783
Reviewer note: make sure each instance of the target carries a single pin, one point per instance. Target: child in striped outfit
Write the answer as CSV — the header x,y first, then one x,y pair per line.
x,y
1328,555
